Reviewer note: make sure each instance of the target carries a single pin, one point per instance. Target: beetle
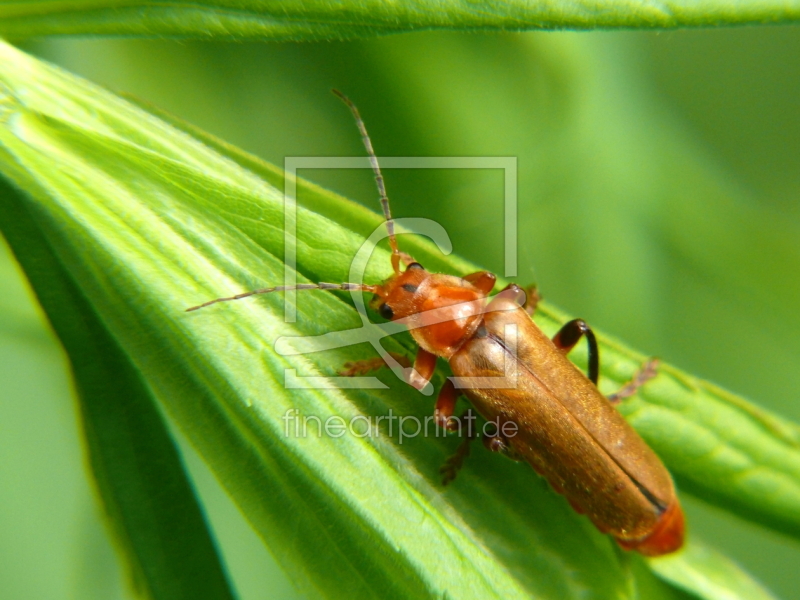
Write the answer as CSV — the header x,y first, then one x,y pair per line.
x,y
561,424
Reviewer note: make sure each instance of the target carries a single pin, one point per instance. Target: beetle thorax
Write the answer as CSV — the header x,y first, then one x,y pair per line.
x,y
448,311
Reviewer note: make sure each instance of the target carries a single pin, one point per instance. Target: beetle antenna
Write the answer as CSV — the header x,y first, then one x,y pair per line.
x,y
378,178
285,288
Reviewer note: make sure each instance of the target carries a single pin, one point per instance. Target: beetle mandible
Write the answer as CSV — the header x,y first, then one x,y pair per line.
x,y
563,426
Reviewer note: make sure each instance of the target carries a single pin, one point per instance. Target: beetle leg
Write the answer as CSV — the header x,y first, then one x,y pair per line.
x,y
424,366
527,298
418,376
453,464
499,443
483,280
513,292
570,334
532,299
643,375
446,406
361,367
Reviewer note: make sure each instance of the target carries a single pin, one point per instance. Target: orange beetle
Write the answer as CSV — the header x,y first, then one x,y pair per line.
x,y
561,424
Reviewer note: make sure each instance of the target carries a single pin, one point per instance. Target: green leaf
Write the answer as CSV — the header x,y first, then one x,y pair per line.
x,y
322,19
147,221
150,503
708,575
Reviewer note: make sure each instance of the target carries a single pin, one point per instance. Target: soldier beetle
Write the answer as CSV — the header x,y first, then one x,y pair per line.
x,y
563,426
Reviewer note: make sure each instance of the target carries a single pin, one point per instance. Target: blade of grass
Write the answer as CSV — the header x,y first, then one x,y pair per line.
x,y
318,19
150,503
708,575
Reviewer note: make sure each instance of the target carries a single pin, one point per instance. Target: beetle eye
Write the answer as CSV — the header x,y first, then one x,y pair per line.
x,y
385,311
415,265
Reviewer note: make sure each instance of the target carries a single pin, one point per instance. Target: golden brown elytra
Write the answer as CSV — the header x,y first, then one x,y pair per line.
x,y
546,411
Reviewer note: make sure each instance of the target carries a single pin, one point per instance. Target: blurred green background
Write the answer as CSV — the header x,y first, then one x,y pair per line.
x,y
659,177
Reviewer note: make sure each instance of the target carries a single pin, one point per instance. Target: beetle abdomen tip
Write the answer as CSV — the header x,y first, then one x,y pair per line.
x,y
666,537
